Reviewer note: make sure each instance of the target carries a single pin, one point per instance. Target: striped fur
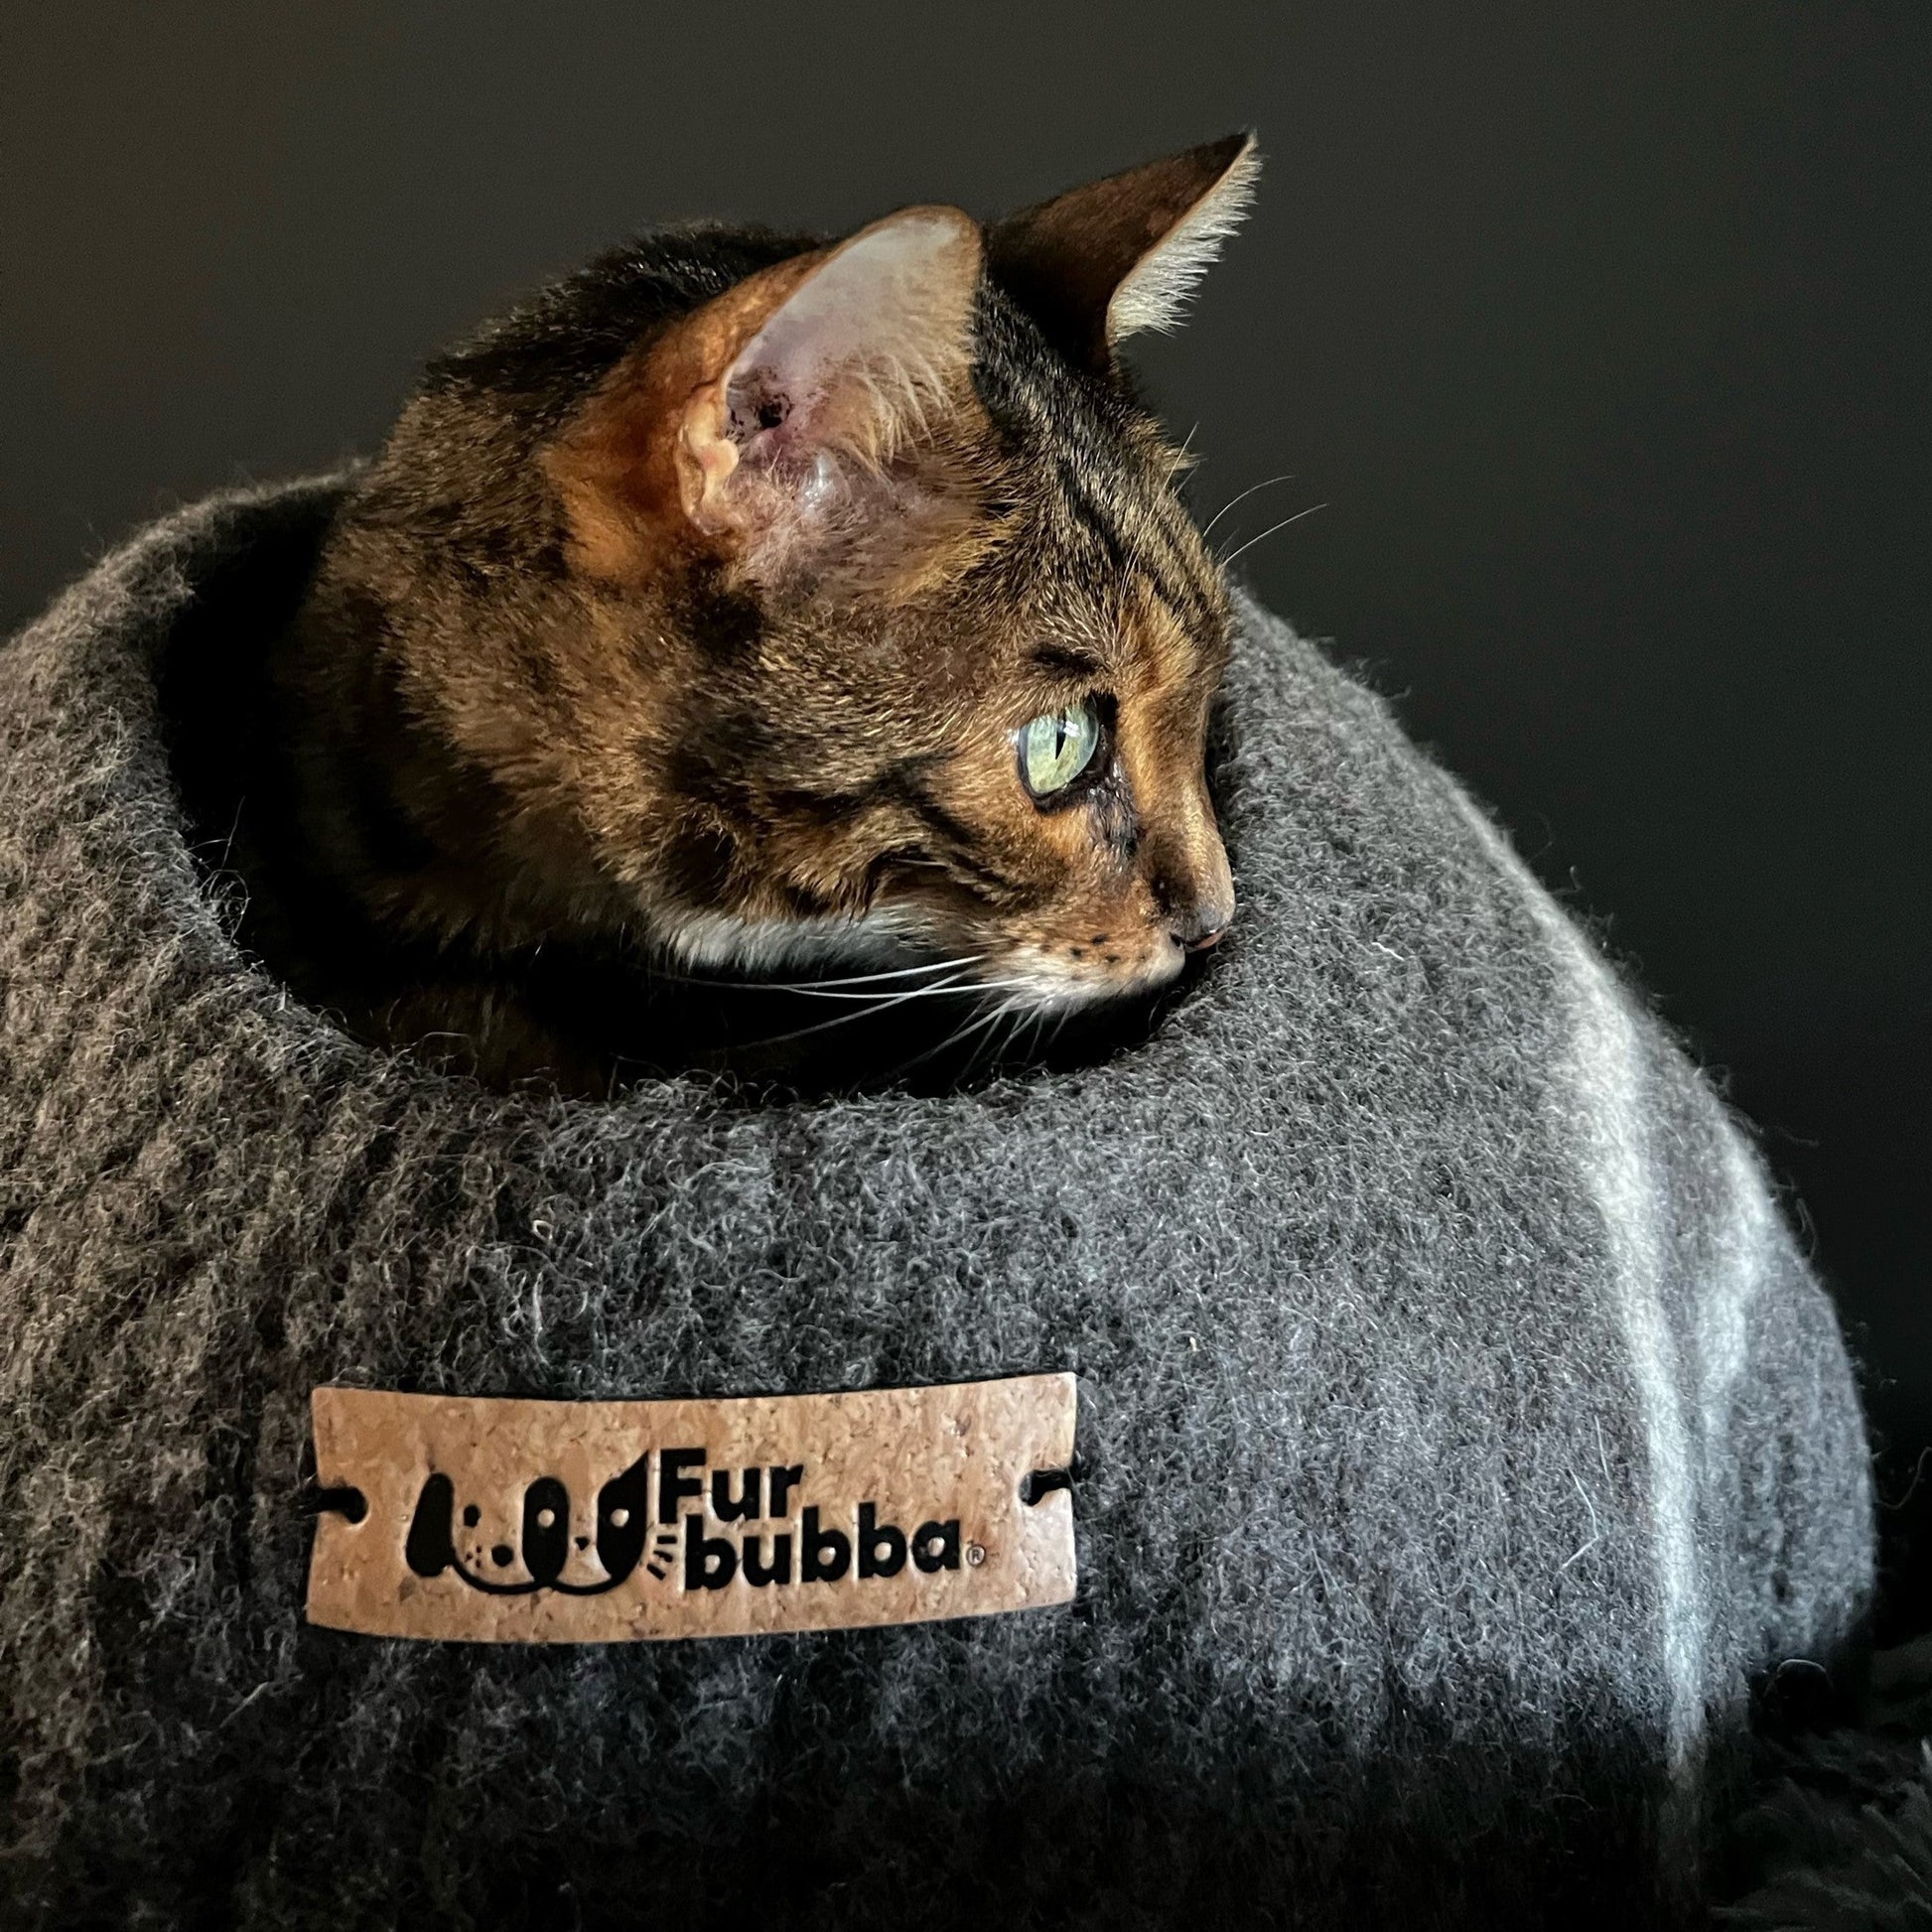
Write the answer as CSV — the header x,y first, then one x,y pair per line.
x,y
691,615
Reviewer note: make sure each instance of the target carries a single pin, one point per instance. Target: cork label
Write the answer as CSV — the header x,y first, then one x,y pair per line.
x,y
494,1520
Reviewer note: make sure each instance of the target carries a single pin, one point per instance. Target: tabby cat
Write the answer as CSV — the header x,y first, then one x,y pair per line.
x,y
750,608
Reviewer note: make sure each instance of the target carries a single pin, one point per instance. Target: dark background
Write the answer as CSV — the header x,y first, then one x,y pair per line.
x,y
1601,332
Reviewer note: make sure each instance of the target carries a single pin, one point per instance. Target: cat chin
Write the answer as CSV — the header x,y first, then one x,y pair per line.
x,y
722,941
1037,982
1030,977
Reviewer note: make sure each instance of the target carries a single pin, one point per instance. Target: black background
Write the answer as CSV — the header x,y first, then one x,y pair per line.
x,y
1600,333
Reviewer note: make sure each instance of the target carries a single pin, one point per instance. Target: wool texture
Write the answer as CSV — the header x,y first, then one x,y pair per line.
x,y
1461,1432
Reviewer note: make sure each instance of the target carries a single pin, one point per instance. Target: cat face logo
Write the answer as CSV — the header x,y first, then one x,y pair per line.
x,y
548,1554
440,1540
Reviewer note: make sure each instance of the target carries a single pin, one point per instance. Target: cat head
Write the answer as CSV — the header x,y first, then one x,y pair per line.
x,y
888,633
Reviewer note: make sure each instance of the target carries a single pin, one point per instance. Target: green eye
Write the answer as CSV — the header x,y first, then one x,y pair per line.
x,y
1056,749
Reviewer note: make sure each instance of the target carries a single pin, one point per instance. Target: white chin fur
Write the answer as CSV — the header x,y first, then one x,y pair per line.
x,y
1027,977
722,940
1044,984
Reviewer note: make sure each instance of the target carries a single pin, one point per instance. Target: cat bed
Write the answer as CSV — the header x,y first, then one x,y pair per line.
x,y
1459,1434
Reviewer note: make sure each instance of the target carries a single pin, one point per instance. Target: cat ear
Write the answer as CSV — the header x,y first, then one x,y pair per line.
x,y
763,424
1123,254
845,369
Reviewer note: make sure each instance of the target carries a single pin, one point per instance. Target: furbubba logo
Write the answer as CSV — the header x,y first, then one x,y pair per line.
x,y
552,1522
759,1558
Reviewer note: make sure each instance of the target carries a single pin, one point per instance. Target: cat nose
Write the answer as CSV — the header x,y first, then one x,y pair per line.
x,y
1204,926
1195,890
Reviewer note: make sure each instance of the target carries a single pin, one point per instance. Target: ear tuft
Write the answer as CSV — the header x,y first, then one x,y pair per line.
x,y
1104,260
1156,290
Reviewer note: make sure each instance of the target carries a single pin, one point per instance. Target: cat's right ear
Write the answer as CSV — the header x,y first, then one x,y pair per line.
x,y
1104,261
763,426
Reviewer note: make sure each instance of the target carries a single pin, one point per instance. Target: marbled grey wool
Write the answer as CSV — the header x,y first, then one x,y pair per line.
x,y
1459,1429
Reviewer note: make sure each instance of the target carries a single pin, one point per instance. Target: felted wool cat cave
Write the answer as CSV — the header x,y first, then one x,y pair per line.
x,y
1461,1434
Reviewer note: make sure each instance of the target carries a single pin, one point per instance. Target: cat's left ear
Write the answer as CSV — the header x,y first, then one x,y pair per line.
x,y
775,426
1123,254
846,369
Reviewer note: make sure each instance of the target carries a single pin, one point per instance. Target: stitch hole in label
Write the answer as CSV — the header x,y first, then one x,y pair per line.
x,y
345,1500
1039,1483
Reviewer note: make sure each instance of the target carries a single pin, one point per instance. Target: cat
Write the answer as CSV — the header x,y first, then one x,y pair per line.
x,y
746,607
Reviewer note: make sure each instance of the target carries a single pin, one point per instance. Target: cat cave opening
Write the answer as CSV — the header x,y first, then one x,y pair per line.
x,y
795,1034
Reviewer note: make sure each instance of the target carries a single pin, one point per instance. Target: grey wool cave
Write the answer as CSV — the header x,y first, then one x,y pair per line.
x,y
1461,1432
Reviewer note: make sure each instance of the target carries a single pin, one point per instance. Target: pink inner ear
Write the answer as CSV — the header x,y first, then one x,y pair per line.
x,y
757,404
763,420
847,360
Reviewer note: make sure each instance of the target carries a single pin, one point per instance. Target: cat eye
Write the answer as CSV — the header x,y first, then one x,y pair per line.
x,y
1056,748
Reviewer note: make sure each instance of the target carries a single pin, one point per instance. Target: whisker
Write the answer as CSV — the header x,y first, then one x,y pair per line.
x,y
874,999
1021,1020
1039,1029
953,1039
846,1019
999,1044
990,1046
724,981
836,989
985,1029
867,978
1227,563
1287,476
963,986
1020,1015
